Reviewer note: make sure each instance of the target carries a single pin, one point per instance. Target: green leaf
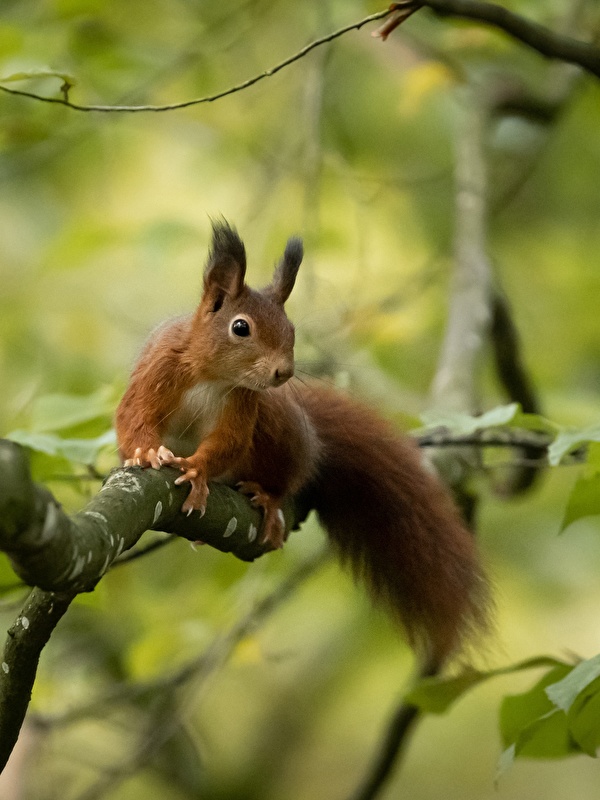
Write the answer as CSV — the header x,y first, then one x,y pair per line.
x,y
506,760
55,412
436,695
465,424
546,737
35,74
534,726
518,712
584,719
533,422
564,692
584,500
569,439
83,451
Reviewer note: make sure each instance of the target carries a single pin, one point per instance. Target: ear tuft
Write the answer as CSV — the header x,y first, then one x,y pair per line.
x,y
285,275
226,265
226,242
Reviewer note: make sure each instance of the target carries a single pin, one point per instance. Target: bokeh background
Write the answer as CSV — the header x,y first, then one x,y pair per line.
x,y
104,227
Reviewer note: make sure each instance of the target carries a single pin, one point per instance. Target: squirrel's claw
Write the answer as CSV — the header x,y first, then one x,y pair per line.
x,y
273,527
164,455
150,458
196,499
138,460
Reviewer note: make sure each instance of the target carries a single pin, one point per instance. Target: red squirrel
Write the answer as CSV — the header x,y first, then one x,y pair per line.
x,y
211,396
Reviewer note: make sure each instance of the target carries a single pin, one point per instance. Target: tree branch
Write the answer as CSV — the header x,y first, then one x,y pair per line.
x,y
64,101
518,385
25,641
547,42
59,553
454,385
504,437
165,718
63,555
396,739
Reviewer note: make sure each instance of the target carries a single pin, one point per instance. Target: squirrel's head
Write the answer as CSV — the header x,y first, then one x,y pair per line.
x,y
245,336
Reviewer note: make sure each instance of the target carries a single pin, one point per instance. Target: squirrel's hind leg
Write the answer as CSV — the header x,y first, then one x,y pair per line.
x,y
273,528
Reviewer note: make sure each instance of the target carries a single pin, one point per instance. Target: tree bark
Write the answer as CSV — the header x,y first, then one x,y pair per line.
x,y
63,555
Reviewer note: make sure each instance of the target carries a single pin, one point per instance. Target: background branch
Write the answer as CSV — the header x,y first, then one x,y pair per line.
x,y
545,41
203,665
395,741
455,383
64,101
514,377
169,707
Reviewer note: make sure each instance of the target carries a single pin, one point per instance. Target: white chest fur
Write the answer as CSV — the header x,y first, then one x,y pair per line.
x,y
195,418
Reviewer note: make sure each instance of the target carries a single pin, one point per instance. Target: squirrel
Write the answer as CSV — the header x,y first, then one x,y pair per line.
x,y
211,396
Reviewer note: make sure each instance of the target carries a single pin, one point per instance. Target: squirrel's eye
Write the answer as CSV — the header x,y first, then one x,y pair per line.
x,y
240,327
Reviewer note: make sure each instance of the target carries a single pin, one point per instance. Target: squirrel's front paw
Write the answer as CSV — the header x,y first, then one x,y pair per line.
x,y
150,458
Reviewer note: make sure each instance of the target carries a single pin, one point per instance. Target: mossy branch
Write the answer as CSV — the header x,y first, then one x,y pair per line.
x,y
63,555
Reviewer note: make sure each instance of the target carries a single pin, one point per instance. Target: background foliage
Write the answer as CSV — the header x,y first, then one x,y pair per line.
x,y
104,223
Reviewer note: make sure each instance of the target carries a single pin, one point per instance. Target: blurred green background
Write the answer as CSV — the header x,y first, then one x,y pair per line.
x,y
104,227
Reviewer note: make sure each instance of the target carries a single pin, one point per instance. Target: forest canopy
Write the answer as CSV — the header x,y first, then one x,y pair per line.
x,y
446,169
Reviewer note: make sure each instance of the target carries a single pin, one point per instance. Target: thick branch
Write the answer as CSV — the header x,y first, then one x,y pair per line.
x,y
545,41
66,555
59,553
24,643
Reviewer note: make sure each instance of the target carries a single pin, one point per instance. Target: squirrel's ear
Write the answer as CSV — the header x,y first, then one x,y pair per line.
x,y
226,265
285,275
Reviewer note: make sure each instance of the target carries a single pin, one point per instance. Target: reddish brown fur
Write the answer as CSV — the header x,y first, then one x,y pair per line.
x,y
395,523
390,518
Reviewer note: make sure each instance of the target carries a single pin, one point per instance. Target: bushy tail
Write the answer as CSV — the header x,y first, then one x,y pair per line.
x,y
395,524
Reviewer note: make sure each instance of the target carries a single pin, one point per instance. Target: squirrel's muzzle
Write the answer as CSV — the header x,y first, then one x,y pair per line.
x,y
282,373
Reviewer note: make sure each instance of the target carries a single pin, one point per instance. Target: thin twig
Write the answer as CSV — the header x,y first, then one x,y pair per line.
x,y
164,723
64,101
504,437
545,41
395,741
204,664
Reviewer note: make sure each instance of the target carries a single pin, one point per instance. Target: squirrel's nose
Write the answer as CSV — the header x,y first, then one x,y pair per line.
x,y
282,374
